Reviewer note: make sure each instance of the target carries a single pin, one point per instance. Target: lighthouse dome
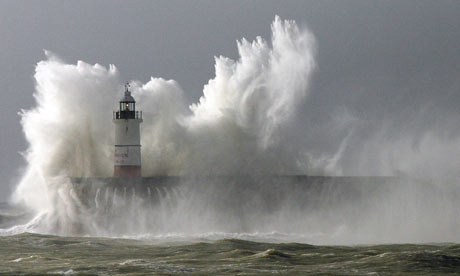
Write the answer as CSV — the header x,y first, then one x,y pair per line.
x,y
127,98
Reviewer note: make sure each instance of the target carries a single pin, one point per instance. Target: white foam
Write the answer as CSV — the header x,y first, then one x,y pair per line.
x,y
239,120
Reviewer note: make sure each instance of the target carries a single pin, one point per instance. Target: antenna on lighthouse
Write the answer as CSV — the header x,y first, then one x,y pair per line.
x,y
127,86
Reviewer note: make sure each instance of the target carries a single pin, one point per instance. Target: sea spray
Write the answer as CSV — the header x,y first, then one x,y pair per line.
x,y
236,128
250,101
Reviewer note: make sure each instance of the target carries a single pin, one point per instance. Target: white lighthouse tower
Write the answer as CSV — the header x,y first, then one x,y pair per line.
x,y
127,138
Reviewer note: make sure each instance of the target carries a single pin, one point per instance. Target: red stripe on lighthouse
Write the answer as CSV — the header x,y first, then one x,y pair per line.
x,y
127,171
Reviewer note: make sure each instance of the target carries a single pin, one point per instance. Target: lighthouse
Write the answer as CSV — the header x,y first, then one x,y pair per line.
x,y
127,122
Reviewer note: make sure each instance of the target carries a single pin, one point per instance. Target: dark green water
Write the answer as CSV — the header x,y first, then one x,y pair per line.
x,y
33,254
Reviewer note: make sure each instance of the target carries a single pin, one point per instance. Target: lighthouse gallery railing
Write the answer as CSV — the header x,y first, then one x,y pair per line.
x,y
125,114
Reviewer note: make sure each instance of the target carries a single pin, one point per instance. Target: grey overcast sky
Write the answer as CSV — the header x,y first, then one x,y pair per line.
x,y
378,59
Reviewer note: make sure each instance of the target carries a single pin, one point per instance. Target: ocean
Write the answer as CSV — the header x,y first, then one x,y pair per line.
x,y
34,254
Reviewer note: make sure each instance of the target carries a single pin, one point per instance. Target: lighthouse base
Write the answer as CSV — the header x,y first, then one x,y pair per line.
x,y
127,171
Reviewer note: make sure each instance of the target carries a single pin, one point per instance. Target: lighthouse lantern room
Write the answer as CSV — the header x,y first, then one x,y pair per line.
x,y
127,138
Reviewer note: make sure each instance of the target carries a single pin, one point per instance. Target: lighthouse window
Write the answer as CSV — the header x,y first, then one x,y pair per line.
x,y
127,106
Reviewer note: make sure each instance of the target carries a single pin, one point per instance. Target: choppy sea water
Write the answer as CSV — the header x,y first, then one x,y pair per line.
x,y
34,254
